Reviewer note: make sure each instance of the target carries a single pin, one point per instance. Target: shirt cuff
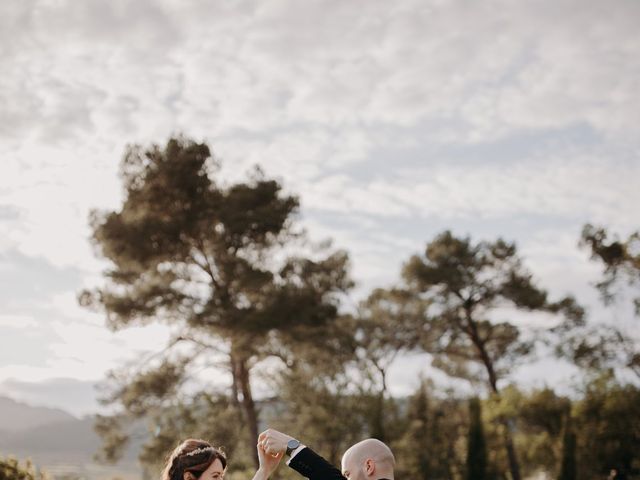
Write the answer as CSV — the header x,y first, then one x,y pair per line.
x,y
295,452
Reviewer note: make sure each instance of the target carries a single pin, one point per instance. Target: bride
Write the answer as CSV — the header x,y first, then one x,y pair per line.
x,y
199,460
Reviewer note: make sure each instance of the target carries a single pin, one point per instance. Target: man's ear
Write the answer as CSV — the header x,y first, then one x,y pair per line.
x,y
370,466
188,476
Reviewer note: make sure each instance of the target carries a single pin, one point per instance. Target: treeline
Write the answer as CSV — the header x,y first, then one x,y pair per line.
x,y
12,469
247,294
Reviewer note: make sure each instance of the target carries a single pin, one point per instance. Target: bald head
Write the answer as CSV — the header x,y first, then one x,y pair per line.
x,y
369,459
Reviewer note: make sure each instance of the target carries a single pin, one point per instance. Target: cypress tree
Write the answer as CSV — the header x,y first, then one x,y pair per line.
x,y
568,464
476,447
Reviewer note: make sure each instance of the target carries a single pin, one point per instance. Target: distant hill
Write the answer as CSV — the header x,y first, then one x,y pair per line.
x,y
72,440
55,440
16,416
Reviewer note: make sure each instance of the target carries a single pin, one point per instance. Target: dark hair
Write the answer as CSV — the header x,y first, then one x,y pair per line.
x,y
179,462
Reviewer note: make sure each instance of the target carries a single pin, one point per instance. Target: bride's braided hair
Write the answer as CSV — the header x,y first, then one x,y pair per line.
x,y
193,456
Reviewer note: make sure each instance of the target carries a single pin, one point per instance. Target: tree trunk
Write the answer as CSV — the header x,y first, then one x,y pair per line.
x,y
511,452
377,420
242,385
514,466
249,407
235,389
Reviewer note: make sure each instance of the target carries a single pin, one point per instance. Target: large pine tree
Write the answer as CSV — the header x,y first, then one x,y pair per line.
x,y
210,260
463,284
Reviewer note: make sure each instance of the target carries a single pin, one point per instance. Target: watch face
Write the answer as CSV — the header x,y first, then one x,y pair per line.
x,y
293,444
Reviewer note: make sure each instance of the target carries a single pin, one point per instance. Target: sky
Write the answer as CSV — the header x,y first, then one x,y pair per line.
x,y
393,121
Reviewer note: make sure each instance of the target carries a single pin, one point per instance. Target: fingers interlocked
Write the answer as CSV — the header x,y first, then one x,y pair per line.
x,y
273,442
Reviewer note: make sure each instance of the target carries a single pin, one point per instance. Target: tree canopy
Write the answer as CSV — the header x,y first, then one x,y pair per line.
x,y
247,298
221,264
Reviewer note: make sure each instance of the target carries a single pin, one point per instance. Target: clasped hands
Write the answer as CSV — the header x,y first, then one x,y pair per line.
x,y
272,446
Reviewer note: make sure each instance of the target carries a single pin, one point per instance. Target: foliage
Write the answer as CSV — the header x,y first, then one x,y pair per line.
x,y
603,423
226,268
464,284
536,418
621,259
432,445
209,260
383,330
598,347
323,408
206,416
607,423
11,469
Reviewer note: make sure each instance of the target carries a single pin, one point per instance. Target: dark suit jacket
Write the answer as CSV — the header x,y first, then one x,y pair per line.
x,y
311,465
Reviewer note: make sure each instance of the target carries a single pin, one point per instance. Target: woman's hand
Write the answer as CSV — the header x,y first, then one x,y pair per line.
x,y
268,462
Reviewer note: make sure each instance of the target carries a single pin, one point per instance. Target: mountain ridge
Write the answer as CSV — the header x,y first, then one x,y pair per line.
x,y
16,416
49,435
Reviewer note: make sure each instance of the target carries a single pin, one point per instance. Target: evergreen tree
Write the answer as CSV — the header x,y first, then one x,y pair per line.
x,y
568,470
462,283
597,347
476,446
541,418
432,444
322,407
607,423
620,258
209,260
378,342
416,447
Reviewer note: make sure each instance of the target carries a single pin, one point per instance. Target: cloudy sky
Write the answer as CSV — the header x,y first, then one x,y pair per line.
x,y
392,120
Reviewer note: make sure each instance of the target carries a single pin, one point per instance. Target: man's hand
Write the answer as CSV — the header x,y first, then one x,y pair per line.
x,y
274,442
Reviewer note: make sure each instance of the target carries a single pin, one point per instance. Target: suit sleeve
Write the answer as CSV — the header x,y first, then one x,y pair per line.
x,y
311,465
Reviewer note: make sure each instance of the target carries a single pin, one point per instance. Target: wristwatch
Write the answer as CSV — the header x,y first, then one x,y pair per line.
x,y
291,446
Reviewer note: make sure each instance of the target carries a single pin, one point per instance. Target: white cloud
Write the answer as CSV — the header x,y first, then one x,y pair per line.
x,y
495,66
362,109
54,190
17,321
78,350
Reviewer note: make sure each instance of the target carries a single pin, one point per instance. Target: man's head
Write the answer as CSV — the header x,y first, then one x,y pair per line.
x,y
369,459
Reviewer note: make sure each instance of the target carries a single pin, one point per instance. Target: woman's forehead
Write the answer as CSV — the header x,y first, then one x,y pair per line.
x,y
216,466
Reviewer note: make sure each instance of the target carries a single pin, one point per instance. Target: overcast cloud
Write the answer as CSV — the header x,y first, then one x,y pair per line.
x,y
392,121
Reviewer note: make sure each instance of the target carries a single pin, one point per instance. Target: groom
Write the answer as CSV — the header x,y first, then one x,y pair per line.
x,y
369,459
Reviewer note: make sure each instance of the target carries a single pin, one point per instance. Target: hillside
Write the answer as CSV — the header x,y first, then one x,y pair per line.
x,y
57,441
16,416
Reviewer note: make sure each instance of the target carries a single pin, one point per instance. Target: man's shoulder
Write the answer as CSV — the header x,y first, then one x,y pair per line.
x,y
310,464
307,458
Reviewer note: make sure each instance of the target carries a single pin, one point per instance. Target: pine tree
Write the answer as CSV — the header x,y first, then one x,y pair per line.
x,y
463,282
210,260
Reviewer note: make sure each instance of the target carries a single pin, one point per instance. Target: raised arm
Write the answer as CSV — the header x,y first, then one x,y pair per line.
x,y
268,463
304,460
